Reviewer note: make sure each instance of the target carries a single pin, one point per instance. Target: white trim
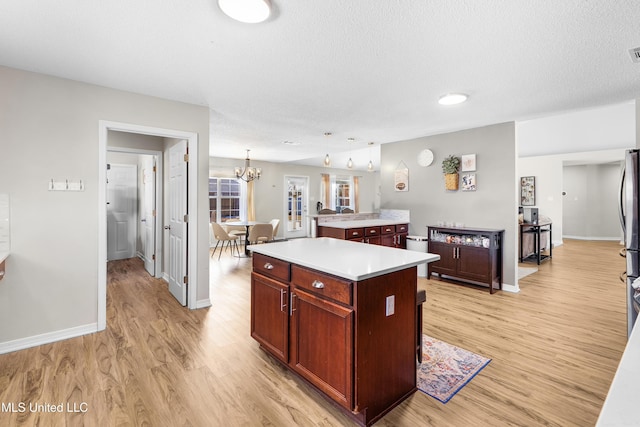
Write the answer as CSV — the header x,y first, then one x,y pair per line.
x,y
47,338
159,192
104,127
204,303
565,236
510,288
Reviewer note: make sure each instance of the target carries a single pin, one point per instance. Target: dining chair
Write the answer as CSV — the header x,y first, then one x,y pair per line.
x,y
347,210
260,233
275,223
221,236
326,211
236,230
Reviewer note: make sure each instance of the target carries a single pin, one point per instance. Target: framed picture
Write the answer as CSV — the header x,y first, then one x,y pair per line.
x,y
468,163
468,182
401,179
528,190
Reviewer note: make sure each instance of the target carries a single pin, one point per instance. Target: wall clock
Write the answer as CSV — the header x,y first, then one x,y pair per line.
x,y
425,157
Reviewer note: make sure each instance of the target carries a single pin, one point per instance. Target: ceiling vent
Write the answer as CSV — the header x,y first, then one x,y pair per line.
x,y
635,54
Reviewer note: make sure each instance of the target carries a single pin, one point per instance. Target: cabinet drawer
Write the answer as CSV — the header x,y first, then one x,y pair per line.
x,y
402,228
388,229
372,231
354,233
322,284
271,267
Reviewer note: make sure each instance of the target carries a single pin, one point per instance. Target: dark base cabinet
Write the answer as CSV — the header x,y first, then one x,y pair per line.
x,y
472,255
335,333
394,235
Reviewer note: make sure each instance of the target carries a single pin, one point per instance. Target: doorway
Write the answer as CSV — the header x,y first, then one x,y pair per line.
x,y
191,267
295,210
135,194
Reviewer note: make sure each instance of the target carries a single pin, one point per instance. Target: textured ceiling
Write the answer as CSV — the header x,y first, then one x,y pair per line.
x,y
368,69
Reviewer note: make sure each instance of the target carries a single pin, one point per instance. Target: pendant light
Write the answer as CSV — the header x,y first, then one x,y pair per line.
x,y
370,165
350,162
327,160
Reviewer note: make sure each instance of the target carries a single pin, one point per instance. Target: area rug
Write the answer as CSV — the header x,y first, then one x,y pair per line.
x,y
526,271
445,368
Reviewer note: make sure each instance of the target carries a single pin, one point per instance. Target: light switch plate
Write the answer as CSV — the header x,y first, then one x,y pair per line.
x,y
391,305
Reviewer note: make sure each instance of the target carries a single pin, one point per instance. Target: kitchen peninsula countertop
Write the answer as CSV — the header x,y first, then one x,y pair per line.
x,y
342,258
362,223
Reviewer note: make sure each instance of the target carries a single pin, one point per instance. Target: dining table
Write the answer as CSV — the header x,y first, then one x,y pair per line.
x,y
248,225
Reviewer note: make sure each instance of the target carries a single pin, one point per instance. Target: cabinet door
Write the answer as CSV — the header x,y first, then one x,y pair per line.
x,y
474,263
447,262
401,240
270,315
388,240
322,345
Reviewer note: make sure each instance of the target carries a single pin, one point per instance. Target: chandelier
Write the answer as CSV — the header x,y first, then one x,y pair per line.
x,y
248,173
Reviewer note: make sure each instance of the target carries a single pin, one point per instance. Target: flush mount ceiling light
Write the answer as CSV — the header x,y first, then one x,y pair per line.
x,y
452,99
247,11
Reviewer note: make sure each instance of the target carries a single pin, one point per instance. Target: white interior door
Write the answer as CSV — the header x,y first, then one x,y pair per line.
x,y
296,200
121,211
177,199
148,214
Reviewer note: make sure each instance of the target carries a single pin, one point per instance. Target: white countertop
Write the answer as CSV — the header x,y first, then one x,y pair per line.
x,y
621,405
3,256
343,258
362,223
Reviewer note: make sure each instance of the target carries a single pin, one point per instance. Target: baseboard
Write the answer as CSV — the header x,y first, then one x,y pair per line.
x,y
165,277
510,288
47,338
615,239
203,303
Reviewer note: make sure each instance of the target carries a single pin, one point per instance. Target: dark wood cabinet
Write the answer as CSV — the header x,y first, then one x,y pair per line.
x,y
322,345
270,318
393,235
467,254
337,334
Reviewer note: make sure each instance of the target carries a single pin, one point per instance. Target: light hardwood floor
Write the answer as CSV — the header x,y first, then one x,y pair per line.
x,y
554,348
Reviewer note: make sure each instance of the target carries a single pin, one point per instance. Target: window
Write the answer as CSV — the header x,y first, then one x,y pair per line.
x,y
342,192
225,196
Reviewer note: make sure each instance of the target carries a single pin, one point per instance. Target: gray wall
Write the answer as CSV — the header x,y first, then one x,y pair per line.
x,y
49,129
590,205
493,205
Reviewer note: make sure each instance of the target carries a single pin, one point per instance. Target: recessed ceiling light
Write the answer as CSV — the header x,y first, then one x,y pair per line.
x,y
452,98
247,11
290,143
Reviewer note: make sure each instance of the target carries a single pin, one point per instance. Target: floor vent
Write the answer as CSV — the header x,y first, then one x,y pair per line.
x,y
635,54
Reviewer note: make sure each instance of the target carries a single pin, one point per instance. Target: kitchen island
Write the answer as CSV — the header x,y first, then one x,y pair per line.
x,y
341,315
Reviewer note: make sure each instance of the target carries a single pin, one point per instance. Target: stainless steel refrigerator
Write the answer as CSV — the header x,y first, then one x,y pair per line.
x,y
630,220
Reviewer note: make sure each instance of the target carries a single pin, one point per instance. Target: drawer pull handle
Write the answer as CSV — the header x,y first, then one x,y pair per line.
x,y
355,233
317,284
268,266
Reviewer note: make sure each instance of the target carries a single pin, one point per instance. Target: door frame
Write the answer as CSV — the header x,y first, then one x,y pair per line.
x,y
306,228
104,126
159,189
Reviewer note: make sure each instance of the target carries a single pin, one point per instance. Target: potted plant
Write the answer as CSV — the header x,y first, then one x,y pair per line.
x,y
450,168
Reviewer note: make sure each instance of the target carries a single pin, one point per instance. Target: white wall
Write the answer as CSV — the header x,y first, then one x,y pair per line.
x,y
548,171
591,199
49,129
